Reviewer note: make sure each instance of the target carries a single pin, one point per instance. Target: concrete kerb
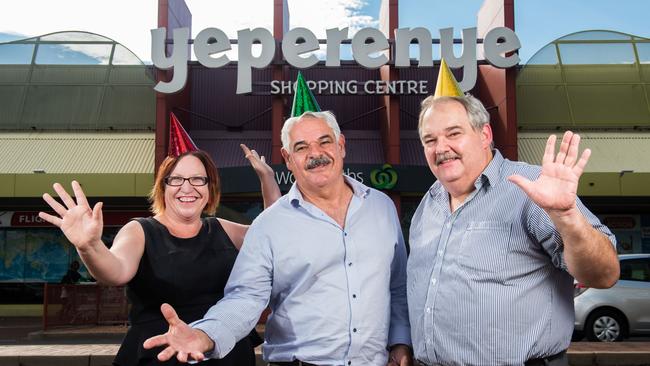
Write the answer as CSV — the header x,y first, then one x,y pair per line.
x,y
580,354
67,355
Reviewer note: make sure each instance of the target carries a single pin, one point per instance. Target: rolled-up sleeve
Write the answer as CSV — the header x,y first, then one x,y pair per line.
x,y
543,230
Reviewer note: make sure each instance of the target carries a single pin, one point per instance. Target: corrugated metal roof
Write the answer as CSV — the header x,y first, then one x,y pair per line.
x,y
67,152
411,152
213,110
611,152
363,147
213,96
225,150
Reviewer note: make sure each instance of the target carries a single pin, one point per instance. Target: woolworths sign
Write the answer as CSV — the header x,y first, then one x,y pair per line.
x,y
397,178
367,47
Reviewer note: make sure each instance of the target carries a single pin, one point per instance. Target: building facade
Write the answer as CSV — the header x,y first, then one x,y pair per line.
x,y
96,118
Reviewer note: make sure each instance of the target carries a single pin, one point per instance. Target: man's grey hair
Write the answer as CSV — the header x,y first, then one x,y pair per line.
x,y
326,116
476,112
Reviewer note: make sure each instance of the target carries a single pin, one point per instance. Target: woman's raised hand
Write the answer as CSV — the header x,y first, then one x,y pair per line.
x,y
257,162
80,224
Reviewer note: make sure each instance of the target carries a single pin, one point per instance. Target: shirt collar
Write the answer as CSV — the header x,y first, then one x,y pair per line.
x,y
358,189
491,172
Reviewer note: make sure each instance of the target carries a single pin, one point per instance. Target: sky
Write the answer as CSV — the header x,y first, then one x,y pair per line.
x,y
537,22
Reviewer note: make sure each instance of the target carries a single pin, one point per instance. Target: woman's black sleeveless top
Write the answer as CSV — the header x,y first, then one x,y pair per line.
x,y
187,273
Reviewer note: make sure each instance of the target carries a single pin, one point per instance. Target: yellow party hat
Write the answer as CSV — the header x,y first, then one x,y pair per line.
x,y
446,86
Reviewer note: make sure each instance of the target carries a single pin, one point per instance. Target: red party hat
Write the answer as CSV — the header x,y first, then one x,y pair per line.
x,y
179,141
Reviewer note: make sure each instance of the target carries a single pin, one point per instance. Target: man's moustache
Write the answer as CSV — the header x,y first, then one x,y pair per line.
x,y
319,161
445,156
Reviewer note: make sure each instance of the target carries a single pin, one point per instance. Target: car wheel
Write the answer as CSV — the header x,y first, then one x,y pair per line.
x,y
605,326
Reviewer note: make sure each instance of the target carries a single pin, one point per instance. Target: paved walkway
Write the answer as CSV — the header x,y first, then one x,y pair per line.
x,y
580,353
620,353
97,346
66,355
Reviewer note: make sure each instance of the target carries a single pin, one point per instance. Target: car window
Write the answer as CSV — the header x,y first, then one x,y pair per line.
x,y
635,269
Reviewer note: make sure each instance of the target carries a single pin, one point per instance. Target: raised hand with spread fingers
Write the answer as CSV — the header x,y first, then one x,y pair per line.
x,y
257,162
589,255
81,225
556,188
181,340
270,189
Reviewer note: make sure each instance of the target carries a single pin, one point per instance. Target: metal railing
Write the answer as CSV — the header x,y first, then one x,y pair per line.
x,y
84,304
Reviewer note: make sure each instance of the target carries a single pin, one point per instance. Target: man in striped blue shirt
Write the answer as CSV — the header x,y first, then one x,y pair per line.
x,y
496,244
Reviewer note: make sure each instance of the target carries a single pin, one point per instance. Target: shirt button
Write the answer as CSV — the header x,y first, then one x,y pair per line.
x,y
349,362
354,330
350,264
448,225
346,234
433,281
354,296
428,310
440,252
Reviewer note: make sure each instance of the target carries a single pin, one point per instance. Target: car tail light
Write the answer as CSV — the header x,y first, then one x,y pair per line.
x,y
578,289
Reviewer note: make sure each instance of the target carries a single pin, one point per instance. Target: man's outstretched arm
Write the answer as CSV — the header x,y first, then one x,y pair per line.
x,y
181,340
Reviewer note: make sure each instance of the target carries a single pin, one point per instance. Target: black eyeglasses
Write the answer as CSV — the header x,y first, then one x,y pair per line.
x,y
178,181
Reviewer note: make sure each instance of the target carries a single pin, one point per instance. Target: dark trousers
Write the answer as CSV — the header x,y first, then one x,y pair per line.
x,y
560,359
291,363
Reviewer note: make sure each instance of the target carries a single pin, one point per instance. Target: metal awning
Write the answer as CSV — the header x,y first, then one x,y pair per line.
x,y
612,152
107,164
618,165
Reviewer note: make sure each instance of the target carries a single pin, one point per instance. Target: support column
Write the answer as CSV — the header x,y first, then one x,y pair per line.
x,y
280,26
172,14
497,87
389,122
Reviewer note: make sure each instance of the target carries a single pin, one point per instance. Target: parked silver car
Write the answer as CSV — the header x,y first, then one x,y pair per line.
x,y
613,314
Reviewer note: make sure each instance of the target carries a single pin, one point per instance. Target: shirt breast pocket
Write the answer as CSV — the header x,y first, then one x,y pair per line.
x,y
485,244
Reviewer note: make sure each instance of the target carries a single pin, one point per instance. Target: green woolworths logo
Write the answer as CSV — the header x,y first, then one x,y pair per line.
x,y
384,178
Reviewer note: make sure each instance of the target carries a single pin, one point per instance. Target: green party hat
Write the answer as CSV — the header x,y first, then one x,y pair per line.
x,y
303,99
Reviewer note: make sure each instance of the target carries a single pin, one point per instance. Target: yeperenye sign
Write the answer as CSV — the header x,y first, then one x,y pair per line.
x,y
367,47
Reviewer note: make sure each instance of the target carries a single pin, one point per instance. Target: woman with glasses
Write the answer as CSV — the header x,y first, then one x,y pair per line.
x,y
174,257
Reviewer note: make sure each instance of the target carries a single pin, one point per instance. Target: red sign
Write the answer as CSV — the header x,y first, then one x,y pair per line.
x,y
119,218
29,218
620,222
111,218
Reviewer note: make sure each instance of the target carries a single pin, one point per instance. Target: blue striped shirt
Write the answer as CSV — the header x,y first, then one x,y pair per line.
x,y
487,284
338,295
